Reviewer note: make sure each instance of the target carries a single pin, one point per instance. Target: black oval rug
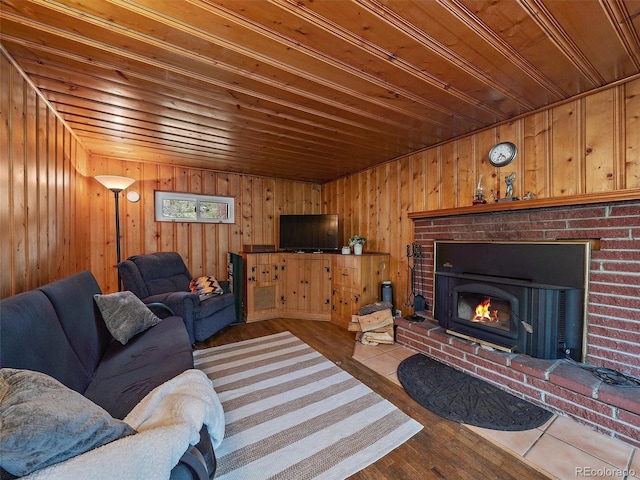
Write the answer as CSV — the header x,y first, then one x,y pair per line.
x,y
460,397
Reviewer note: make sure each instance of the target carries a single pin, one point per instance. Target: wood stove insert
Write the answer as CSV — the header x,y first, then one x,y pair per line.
x,y
520,297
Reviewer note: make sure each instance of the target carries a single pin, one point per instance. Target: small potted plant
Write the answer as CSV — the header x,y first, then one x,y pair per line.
x,y
357,242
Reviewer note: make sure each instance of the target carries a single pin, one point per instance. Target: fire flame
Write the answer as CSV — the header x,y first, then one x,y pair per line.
x,y
484,312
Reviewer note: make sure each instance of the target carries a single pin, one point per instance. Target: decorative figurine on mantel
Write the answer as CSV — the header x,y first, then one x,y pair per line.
x,y
479,196
509,180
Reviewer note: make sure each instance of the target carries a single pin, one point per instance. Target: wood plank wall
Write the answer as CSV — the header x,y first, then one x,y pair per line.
x,y
258,204
56,221
588,145
43,202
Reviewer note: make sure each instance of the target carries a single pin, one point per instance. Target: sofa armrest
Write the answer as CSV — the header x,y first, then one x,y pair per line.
x,y
177,301
161,305
182,303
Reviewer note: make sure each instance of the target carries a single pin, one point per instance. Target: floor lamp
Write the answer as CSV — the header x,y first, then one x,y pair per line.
x,y
116,185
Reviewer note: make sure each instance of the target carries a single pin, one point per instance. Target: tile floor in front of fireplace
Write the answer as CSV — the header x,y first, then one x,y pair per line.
x,y
562,448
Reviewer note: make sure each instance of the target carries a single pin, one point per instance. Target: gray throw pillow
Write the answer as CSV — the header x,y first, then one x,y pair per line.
x,y
125,315
42,422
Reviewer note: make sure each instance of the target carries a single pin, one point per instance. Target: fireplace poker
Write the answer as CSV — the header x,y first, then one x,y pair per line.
x,y
419,303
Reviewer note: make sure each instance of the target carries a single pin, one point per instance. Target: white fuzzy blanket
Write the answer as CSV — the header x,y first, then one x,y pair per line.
x,y
168,420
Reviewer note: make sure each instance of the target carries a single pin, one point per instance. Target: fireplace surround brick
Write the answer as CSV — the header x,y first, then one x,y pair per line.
x,y
613,312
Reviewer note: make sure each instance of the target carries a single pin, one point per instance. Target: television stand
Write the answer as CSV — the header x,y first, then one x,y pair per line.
x,y
328,286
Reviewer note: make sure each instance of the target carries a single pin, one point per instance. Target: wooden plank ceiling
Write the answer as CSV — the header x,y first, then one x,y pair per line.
x,y
308,90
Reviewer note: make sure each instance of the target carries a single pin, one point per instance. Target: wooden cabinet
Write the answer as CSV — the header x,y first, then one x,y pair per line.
x,y
356,282
262,288
311,286
306,286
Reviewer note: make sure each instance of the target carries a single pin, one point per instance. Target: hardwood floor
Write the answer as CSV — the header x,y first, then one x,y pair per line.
x,y
442,450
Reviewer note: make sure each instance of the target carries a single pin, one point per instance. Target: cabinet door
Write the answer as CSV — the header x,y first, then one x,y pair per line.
x,y
262,270
292,284
317,295
306,286
344,303
346,277
262,287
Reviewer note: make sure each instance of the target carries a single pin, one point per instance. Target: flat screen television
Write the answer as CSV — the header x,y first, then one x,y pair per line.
x,y
309,233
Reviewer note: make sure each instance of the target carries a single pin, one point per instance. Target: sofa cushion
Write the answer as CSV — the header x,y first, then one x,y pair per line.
x,y
44,422
32,338
128,372
72,299
125,315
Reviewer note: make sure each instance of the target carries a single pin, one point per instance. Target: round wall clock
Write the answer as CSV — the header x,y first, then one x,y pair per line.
x,y
502,154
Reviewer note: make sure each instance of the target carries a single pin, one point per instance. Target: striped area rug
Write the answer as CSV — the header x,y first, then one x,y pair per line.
x,y
292,414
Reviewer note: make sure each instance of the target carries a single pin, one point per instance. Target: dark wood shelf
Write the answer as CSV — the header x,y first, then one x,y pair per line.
x,y
599,197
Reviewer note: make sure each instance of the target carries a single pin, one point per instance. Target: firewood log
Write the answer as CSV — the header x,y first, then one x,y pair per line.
x,y
374,320
374,307
384,336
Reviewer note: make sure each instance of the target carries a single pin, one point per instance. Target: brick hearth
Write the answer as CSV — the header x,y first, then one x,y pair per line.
x,y
613,313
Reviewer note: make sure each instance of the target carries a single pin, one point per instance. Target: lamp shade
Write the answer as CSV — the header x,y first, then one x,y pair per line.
x,y
114,183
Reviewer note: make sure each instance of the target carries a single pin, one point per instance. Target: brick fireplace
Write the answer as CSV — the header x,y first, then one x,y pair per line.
x,y
613,312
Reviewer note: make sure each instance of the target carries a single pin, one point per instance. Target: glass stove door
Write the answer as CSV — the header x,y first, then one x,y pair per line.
x,y
490,311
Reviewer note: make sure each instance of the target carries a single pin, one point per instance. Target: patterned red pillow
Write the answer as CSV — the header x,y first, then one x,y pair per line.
x,y
205,287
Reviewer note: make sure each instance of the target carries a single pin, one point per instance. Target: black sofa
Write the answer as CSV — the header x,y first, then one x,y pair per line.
x,y
58,330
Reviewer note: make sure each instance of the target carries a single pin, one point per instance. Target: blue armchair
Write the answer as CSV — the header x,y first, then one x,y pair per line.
x,y
163,277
